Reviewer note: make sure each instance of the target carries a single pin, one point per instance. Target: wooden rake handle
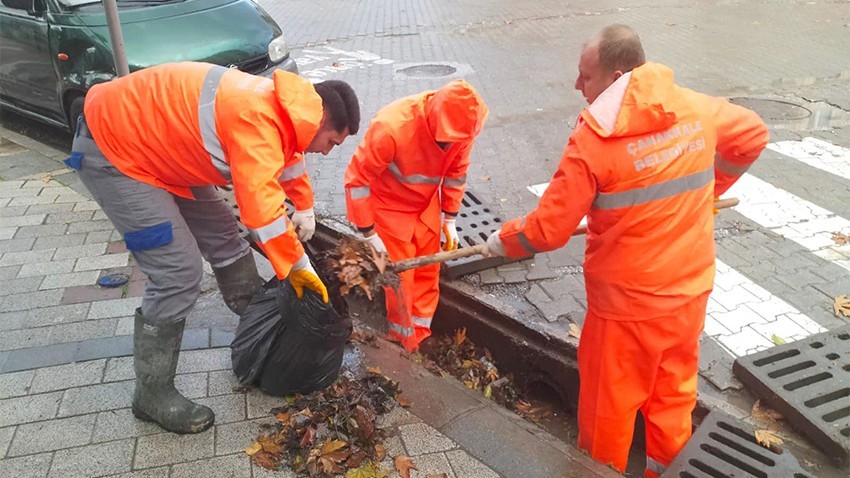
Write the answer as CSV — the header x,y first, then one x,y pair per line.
x,y
420,261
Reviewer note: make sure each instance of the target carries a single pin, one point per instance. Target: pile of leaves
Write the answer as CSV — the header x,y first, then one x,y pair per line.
x,y
330,432
358,266
458,356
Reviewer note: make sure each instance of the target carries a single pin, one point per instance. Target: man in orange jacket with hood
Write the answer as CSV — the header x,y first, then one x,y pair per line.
x,y
644,163
410,165
152,146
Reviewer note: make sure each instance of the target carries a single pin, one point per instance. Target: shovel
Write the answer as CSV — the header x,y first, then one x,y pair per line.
x,y
420,261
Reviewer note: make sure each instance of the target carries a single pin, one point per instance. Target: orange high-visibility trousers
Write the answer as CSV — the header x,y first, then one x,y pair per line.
x,y
410,316
649,365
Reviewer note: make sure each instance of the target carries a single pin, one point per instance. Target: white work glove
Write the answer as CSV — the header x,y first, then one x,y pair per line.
x,y
376,242
494,246
450,231
305,224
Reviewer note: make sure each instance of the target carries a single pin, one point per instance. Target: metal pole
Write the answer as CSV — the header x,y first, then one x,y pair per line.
x,y
116,38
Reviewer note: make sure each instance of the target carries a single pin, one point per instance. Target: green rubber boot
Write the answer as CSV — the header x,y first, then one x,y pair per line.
x,y
238,282
156,348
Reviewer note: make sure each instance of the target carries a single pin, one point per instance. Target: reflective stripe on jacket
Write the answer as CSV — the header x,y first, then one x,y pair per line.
x,y
642,164
181,125
399,173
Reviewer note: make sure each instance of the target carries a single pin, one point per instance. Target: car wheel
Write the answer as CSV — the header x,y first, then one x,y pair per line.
x,y
74,112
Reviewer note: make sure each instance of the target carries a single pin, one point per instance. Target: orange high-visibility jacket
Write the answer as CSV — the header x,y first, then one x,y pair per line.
x,y
641,165
399,173
183,125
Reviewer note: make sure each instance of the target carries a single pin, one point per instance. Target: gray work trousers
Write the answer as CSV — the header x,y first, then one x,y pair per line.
x,y
204,227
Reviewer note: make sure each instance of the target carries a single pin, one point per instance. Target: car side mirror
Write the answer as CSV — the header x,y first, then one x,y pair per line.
x,y
29,5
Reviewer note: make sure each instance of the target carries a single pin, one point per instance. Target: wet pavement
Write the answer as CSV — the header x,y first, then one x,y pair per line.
x,y
778,267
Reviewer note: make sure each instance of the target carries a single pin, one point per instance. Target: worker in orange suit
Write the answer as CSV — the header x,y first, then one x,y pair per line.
x,y
152,146
410,165
644,163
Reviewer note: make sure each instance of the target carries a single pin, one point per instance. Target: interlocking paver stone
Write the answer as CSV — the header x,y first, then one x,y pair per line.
x,y
8,211
204,360
15,384
17,244
16,221
125,326
7,232
86,206
96,237
93,460
68,217
30,466
118,369
234,437
96,398
31,408
29,200
231,466
169,448
80,331
161,472
9,272
74,252
56,281
24,257
114,308
48,315
90,226
67,376
466,466
420,439
5,439
117,424
52,435
19,192
23,338
102,262
227,408
259,403
91,293
45,268
222,382
31,300
191,385
47,229
48,208
20,285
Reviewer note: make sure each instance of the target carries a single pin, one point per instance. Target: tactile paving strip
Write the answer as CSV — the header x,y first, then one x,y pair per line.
x,y
807,381
723,446
475,223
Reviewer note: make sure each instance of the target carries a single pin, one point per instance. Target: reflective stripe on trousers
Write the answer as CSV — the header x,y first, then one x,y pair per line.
x,y
655,466
206,120
421,321
669,188
403,331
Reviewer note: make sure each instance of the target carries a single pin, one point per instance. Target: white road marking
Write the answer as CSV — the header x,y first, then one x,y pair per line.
x,y
792,217
817,153
744,318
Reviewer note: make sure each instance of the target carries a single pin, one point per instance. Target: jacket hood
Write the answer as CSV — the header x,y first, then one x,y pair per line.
x,y
302,105
634,104
455,112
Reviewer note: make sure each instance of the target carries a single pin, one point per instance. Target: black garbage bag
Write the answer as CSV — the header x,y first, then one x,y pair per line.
x,y
287,345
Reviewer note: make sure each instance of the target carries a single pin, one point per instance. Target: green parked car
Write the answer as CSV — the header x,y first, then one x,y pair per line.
x,y
53,51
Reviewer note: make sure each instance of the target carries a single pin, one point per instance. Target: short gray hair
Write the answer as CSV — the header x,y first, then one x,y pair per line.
x,y
619,48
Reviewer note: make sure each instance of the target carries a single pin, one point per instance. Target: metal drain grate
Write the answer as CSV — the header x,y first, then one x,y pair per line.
x,y
723,446
475,223
808,382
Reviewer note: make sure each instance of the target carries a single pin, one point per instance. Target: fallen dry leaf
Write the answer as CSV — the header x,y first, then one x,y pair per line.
x,y
253,449
403,401
368,470
761,411
841,238
380,452
767,439
436,475
575,331
403,464
777,339
331,446
460,336
375,370
841,306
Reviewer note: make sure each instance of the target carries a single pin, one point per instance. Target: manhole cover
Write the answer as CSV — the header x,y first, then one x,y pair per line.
x,y
724,447
475,223
808,382
773,110
432,70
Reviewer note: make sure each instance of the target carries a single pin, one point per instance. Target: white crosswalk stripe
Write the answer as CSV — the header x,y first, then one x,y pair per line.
x,y
817,153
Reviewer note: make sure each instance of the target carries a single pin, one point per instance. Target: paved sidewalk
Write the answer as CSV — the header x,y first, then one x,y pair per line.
x,y
66,370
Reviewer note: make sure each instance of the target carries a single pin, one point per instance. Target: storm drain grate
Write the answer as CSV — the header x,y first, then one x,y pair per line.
x,y
808,382
723,446
475,223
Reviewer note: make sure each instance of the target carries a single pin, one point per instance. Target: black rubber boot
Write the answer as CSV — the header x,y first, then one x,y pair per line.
x,y
238,282
155,350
